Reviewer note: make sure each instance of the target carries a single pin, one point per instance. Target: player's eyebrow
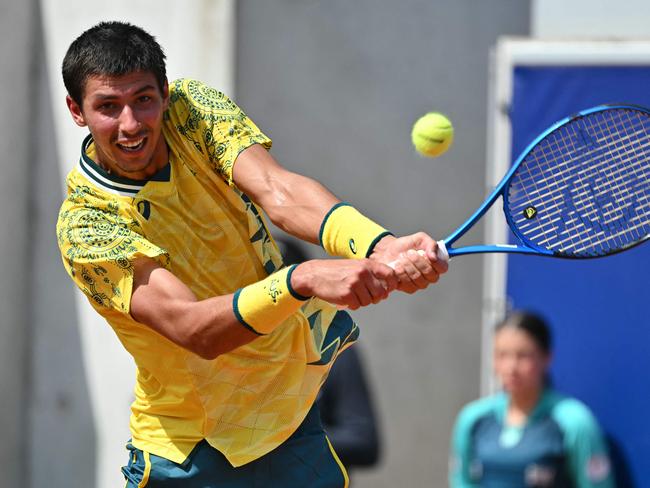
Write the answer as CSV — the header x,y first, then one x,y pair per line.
x,y
108,96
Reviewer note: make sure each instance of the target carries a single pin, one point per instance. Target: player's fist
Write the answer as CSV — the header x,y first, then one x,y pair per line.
x,y
416,258
349,283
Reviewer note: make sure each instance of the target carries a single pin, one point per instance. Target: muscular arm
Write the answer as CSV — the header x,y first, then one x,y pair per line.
x,y
209,327
298,205
163,302
293,202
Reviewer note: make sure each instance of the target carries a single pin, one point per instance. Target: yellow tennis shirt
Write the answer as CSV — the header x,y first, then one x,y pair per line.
x,y
193,220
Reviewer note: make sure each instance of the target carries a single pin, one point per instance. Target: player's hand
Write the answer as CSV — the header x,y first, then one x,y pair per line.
x,y
349,283
415,259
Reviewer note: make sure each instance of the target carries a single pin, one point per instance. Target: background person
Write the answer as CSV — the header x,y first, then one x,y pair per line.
x,y
528,435
348,413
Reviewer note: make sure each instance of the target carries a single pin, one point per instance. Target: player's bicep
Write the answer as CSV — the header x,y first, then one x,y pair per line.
x,y
260,176
159,299
295,203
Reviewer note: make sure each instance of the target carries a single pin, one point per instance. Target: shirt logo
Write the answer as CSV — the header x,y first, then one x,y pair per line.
x,y
476,470
353,246
597,468
537,475
144,207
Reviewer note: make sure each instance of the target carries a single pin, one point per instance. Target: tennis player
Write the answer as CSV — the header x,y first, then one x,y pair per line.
x,y
162,230
529,435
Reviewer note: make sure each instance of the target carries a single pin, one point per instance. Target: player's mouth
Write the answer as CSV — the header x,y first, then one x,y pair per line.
x,y
132,146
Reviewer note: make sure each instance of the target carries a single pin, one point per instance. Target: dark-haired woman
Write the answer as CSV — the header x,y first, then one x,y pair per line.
x,y
528,435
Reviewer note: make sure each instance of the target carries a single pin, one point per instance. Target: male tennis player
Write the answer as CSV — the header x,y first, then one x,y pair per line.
x,y
162,231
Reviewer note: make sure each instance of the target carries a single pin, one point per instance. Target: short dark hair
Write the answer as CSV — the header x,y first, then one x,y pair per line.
x,y
533,325
111,49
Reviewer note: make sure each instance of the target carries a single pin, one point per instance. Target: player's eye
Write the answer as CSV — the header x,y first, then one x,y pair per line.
x,y
144,99
524,355
107,106
502,355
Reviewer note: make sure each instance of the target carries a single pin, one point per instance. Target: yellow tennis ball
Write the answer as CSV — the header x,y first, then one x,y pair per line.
x,y
432,134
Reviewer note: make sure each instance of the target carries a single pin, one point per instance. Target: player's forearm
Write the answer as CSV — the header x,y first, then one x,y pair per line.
x,y
164,303
207,327
299,205
212,328
221,324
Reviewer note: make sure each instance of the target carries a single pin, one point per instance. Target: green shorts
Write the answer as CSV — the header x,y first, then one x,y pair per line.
x,y
306,459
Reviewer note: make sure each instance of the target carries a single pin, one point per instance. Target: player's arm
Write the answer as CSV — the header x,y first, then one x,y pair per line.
x,y
459,456
587,455
295,203
163,302
590,463
219,324
306,209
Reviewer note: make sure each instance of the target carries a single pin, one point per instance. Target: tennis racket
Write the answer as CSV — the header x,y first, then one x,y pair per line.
x,y
581,189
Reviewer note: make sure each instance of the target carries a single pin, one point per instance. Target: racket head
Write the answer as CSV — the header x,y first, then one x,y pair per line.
x,y
582,188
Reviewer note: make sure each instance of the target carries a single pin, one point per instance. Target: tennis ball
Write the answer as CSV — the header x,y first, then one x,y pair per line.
x,y
432,134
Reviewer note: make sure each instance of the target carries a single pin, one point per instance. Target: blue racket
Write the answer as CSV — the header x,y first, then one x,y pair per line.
x,y
581,189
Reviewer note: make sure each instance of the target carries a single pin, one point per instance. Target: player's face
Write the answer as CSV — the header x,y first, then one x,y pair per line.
x,y
519,362
124,115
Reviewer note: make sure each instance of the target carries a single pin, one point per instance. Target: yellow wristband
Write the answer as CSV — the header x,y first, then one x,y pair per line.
x,y
347,233
264,305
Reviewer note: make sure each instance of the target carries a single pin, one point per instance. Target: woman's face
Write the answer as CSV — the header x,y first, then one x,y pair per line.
x,y
519,362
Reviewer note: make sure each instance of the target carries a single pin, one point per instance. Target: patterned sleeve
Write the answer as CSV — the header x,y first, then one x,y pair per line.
x,y
98,247
213,124
587,455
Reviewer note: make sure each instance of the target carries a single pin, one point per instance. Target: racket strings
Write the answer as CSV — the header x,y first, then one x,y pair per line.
x,y
603,167
607,208
584,189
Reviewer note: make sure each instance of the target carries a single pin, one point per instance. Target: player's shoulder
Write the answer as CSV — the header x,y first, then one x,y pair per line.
x,y
81,193
478,409
86,204
571,413
190,92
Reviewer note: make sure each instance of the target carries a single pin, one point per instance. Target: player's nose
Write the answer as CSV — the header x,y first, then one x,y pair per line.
x,y
129,122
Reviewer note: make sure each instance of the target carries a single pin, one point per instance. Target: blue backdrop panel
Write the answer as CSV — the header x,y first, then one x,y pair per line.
x,y
599,309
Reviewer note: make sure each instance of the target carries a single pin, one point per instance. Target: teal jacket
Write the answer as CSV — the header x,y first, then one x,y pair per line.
x,y
560,446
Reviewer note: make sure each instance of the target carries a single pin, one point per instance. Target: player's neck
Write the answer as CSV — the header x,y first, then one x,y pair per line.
x,y
521,405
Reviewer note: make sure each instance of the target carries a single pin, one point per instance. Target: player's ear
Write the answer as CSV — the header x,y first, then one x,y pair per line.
x,y
75,111
165,94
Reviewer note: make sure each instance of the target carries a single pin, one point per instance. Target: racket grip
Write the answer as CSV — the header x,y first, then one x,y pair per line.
x,y
443,254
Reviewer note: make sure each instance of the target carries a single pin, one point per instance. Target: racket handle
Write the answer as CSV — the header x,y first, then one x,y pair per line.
x,y
443,254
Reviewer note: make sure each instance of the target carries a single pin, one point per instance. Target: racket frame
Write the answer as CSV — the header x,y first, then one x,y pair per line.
x,y
528,247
